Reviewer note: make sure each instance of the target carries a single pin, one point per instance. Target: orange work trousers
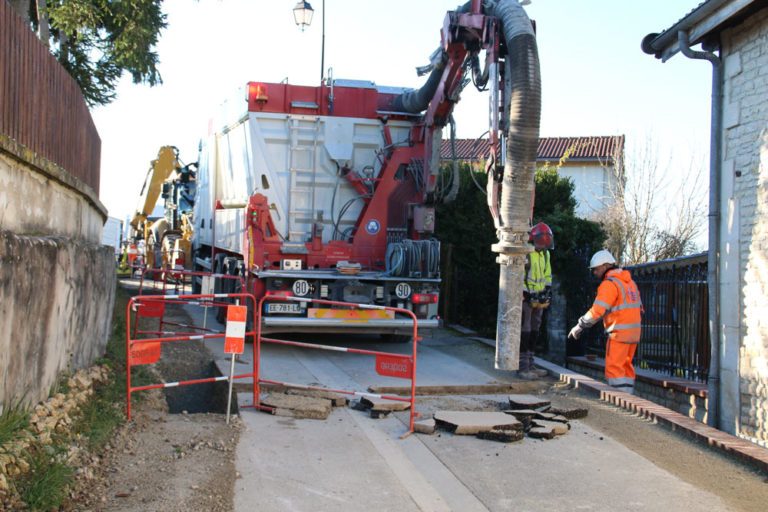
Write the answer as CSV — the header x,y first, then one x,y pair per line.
x,y
618,363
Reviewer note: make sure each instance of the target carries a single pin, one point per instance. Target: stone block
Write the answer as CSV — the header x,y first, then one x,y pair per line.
x,y
472,422
558,428
298,406
571,414
504,436
527,402
381,404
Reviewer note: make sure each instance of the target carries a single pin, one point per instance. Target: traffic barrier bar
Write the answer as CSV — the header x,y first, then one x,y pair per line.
x,y
148,312
385,361
148,350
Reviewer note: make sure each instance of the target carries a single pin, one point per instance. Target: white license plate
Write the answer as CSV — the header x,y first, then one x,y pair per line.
x,y
283,307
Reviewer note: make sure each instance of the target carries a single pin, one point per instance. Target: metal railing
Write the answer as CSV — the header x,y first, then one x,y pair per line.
x,y
41,105
675,333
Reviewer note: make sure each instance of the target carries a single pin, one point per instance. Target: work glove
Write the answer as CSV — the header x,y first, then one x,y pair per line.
x,y
575,332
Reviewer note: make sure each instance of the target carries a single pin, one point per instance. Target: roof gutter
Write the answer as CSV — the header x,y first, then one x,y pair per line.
x,y
697,25
713,261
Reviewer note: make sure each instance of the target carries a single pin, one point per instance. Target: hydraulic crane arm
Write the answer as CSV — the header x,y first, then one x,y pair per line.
x,y
504,31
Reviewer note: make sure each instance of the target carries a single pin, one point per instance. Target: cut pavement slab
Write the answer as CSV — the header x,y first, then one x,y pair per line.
x,y
472,422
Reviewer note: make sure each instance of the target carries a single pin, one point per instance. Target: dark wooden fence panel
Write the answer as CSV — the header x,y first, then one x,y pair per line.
x,y
41,106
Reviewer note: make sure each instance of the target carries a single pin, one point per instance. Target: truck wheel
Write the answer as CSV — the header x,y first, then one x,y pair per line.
x,y
197,287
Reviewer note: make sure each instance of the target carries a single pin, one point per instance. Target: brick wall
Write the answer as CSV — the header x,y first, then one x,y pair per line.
x,y
744,216
654,387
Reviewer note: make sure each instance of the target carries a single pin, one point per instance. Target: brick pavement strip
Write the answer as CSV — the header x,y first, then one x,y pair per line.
x,y
750,453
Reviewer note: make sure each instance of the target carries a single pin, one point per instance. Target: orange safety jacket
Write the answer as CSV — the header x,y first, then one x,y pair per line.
x,y
618,303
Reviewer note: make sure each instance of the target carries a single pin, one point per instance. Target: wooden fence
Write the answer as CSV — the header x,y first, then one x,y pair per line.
x,y
41,106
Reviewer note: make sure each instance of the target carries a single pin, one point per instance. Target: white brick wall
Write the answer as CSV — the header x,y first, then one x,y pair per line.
x,y
744,221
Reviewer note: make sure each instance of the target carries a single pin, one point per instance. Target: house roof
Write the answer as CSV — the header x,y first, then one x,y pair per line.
x,y
702,25
596,149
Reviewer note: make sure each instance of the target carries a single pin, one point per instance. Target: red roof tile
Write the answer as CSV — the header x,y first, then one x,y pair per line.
x,y
602,148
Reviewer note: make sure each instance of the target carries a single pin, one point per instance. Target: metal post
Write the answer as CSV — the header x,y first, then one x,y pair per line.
x,y
322,49
231,376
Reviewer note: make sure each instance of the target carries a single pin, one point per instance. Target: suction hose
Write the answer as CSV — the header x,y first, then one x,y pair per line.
x,y
522,114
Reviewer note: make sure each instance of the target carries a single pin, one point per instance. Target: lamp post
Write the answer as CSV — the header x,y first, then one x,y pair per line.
x,y
302,14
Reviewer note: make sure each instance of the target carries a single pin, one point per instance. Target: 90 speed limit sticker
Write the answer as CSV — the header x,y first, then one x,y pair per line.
x,y
403,290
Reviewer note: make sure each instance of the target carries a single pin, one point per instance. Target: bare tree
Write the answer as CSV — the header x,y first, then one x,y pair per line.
x,y
658,212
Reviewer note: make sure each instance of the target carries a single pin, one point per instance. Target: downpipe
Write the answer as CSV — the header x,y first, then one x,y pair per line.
x,y
713,255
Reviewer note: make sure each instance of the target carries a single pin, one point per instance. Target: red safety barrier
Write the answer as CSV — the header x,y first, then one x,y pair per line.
x,y
156,311
389,364
149,350
176,275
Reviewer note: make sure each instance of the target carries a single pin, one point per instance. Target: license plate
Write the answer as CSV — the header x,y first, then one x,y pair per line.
x,y
283,307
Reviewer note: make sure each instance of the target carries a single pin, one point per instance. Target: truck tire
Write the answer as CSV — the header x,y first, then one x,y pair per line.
x,y
197,285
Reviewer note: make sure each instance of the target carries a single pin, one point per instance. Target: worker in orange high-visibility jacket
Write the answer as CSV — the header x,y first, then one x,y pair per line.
x,y
618,304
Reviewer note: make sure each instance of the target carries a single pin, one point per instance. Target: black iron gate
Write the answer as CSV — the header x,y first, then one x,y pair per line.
x,y
675,335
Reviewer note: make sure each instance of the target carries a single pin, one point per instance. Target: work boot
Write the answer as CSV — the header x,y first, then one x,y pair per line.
x,y
532,366
527,375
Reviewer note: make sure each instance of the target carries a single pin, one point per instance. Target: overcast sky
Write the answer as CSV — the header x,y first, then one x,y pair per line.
x,y
596,80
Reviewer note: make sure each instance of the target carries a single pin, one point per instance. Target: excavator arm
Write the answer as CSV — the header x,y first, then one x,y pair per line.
x,y
160,169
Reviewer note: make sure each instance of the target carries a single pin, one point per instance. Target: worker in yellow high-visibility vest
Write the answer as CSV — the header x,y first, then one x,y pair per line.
x,y
537,295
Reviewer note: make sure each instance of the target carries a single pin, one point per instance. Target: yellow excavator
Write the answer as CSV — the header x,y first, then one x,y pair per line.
x,y
168,239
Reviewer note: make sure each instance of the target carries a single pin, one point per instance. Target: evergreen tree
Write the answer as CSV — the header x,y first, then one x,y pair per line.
x,y
97,40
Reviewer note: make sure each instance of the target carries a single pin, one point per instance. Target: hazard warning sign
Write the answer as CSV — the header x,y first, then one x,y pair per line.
x,y
234,338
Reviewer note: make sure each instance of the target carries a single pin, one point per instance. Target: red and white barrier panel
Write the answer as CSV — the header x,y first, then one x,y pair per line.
x,y
389,364
148,350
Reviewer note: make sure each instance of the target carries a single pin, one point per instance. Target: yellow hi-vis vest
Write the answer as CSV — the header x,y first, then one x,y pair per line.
x,y
538,272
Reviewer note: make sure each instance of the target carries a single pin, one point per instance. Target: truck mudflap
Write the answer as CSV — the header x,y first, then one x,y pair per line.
x,y
343,325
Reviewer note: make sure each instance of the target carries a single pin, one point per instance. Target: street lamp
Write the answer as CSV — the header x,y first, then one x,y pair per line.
x,y
302,14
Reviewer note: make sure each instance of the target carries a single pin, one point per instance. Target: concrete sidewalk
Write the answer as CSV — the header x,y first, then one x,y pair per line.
x,y
733,446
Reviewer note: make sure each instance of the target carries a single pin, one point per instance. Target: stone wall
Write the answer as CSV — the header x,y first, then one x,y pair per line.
x,y
56,299
38,197
57,283
744,228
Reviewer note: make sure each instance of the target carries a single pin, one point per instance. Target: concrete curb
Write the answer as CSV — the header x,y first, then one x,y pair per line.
x,y
733,446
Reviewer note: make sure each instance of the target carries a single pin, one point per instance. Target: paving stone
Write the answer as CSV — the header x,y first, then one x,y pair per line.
x,y
298,406
524,416
571,414
472,422
336,399
381,404
542,432
527,402
425,426
558,428
504,436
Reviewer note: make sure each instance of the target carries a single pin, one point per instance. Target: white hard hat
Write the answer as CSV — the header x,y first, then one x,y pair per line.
x,y
601,257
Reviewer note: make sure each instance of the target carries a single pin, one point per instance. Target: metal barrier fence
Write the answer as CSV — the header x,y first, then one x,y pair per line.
x,y
148,350
389,364
41,106
675,326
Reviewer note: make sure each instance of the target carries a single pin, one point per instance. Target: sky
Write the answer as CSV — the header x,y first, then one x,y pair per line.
x,y
595,78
